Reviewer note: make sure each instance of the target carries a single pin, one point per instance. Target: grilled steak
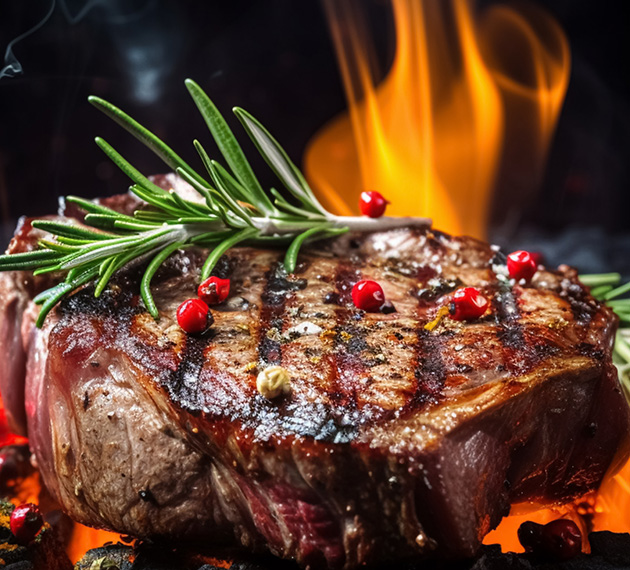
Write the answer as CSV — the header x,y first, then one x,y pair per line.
x,y
395,441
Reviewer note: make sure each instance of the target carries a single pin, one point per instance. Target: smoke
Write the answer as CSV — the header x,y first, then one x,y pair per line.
x,y
12,66
80,14
140,52
148,52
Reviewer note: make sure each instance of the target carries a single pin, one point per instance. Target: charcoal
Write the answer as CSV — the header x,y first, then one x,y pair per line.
x,y
111,557
43,553
612,547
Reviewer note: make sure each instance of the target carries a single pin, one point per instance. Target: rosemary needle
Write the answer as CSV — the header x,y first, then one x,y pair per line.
x,y
606,288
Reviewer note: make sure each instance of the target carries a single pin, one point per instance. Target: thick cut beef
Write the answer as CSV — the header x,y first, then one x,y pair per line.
x,y
395,441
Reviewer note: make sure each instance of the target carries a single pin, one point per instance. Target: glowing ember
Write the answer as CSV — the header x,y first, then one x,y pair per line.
x,y
85,538
612,505
6,436
506,533
467,102
608,509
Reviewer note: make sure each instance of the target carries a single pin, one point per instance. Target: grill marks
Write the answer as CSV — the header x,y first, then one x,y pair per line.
x,y
430,371
274,299
184,385
509,327
429,368
273,302
210,374
347,364
326,408
508,316
365,367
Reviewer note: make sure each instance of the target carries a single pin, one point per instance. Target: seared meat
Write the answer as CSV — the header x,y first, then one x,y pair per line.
x,y
395,441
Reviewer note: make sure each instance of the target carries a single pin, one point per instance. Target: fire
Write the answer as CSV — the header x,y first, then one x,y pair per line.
x,y
612,505
28,489
608,509
467,110
84,538
461,122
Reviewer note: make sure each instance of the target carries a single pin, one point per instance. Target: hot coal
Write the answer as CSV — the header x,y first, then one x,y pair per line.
x,y
609,551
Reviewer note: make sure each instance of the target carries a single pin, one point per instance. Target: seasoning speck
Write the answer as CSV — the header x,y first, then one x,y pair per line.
x,y
303,329
387,308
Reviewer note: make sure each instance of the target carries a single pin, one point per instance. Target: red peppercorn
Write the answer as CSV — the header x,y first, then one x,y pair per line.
x,y
368,295
559,540
26,522
521,265
194,316
467,304
214,290
372,204
562,539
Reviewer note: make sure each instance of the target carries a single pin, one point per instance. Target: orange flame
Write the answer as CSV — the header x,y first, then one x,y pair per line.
x,y
462,121
612,505
470,101
608,509
85,538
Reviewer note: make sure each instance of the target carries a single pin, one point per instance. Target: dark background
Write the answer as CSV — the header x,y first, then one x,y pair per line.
x,y
275,58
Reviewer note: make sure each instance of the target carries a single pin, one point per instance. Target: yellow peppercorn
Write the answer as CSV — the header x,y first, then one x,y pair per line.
x,y
273,381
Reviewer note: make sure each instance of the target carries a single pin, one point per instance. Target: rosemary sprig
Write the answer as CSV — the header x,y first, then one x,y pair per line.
x,y
607,288
234,208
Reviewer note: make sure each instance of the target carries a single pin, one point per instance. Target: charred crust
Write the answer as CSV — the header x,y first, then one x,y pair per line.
x,y
116,302
436,287
223,267
331,298
183,384
429,370
582,304
499,259
388,308
587,349
351,338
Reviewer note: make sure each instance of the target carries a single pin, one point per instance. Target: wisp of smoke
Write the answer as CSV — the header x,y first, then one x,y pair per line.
x,y
13,67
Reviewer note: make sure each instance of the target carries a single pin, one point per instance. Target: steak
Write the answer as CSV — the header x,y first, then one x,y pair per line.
x,y
395,442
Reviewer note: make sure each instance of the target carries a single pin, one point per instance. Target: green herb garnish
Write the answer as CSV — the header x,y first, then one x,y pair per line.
x,y
606,287
235,209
